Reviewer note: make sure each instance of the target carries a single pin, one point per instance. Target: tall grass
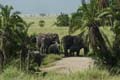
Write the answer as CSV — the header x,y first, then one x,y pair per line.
x,y
12,73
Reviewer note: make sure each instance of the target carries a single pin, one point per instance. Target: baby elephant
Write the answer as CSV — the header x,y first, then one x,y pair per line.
x,y
54,48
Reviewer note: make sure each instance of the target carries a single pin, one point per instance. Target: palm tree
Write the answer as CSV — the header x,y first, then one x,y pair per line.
x,y
14,33
91,21
114,11
24,43
9,22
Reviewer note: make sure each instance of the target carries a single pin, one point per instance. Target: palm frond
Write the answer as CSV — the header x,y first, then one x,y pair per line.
x,y
106,39
105,12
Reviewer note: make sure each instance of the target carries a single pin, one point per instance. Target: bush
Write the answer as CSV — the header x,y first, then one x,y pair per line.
x,y
41,23
62,20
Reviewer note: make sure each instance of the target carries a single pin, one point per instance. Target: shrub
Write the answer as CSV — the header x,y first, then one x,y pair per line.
x,y
41,23
62,20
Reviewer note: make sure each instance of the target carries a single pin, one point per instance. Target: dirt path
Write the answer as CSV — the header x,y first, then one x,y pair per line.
x,y
71,64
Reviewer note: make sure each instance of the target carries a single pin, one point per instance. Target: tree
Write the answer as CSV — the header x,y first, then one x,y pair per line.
x,y
25,42
114,11
41,23
62,20
13,33
91,21
75,19
103,3
9,22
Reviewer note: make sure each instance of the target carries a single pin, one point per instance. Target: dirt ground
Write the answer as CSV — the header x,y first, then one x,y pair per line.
x,y
71,64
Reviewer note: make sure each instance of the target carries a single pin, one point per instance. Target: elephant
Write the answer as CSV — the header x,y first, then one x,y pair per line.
x,y
43,41
73,44
37,57
54,48
67,42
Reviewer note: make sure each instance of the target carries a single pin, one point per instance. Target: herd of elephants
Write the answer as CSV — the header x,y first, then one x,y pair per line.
x,y
51,43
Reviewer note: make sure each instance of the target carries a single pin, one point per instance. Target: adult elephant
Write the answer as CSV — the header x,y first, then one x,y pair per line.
x,y
43,41
72,44
67,42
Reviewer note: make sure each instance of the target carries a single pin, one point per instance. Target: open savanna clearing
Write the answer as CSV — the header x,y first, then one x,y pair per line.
x,y
61,30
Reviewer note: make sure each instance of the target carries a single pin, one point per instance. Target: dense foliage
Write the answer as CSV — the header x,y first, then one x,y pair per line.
x,y
91,16
62,20
14,39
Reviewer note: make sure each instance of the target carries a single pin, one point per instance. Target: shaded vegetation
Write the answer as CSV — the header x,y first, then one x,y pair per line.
x,y
93,15
62,20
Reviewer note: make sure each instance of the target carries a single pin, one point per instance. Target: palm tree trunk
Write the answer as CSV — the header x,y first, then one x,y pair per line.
x,y
28,61
20,60
103,4
1,61
3,55
99,45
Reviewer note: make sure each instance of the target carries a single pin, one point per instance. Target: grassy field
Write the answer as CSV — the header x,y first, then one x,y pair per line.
x,y
61,31
48,28
91,74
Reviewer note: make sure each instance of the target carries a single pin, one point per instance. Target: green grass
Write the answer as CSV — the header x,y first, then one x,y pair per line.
x,y
62,31
50,59
48,28
12,73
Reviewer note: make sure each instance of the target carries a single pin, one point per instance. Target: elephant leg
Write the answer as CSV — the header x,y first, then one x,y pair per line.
x,y
85,51
66,52
42,50
58,52
71,53
78,53
47,51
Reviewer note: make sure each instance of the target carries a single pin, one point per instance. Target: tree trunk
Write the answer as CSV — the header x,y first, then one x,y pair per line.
x,y
103,4
20,61
99,45
28,61
2,53
1,61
